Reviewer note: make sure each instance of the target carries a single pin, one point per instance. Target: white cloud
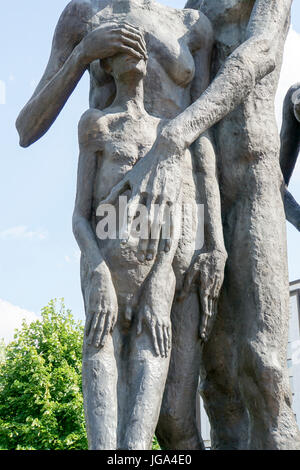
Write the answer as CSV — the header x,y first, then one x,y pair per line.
x,y
75,257
11,317
21,232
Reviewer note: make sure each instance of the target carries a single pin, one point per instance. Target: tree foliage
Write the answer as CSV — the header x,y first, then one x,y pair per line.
x,y
41,405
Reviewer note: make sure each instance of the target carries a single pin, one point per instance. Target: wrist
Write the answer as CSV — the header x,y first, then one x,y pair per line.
x,y
171,141
80,56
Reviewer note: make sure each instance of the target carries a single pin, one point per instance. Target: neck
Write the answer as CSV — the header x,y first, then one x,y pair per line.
x,y
130,95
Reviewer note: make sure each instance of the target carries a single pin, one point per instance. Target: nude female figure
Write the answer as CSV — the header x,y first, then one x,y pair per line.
x,y
178,44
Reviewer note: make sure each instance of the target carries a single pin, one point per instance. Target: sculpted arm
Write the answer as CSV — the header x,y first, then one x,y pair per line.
x,y
100,297
247,65
290,147
74,47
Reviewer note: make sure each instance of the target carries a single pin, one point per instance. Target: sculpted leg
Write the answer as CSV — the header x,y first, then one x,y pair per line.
x,y
145,363
219,378
264,327
258,280
99,383
177,426
99,376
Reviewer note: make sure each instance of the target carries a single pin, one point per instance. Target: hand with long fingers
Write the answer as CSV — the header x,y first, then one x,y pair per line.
x,y
102,307
160,330
155,180
111,38
154,309
207,271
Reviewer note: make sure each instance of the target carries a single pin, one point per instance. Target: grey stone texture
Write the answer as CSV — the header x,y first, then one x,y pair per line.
x,y
181,110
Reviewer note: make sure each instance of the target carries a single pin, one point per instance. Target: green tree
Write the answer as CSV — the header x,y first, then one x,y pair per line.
x,y
41,405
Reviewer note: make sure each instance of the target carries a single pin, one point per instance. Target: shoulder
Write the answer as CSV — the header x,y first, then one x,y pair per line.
x,y
201,30
73,23
92,125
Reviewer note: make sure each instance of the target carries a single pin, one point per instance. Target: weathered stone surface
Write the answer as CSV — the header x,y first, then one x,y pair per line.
x,y
147,135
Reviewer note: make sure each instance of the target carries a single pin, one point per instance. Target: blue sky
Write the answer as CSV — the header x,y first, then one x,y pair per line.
x,y
39,256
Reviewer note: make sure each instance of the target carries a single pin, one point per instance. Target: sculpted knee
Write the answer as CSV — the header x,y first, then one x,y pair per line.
x,y
263,367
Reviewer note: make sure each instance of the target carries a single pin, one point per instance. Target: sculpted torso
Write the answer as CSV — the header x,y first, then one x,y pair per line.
x,y
171,67
239,135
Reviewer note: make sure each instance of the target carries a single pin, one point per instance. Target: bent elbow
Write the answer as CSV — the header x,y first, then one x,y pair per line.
x,y
24,141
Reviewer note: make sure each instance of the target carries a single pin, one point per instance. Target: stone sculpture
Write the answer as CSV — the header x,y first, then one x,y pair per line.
x,y
290,147
87,31
243,369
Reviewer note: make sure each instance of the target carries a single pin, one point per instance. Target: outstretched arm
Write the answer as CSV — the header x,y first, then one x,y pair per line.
x,y
74,47
247,65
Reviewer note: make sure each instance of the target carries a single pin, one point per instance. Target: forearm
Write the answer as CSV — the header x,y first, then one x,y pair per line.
x,y
292,210
232,85
247,65
41,111
209,193
87,242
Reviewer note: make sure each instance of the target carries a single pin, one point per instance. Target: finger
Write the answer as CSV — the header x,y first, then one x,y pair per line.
x,y
99,329
136,45
106,329
152,249
129,50
166,339
88,323
134,35
139,327
160,338
141,255
170,224
131,27
116,191
137,32
132,207
205,314
93,328
154,338
217,287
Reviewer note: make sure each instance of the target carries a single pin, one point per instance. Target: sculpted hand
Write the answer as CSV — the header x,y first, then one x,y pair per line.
x,y
112,38
155,181
102,307
208,273
154,312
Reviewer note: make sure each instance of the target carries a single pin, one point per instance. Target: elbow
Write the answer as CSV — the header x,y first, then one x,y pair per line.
x,y
24,141
76,223
258,56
